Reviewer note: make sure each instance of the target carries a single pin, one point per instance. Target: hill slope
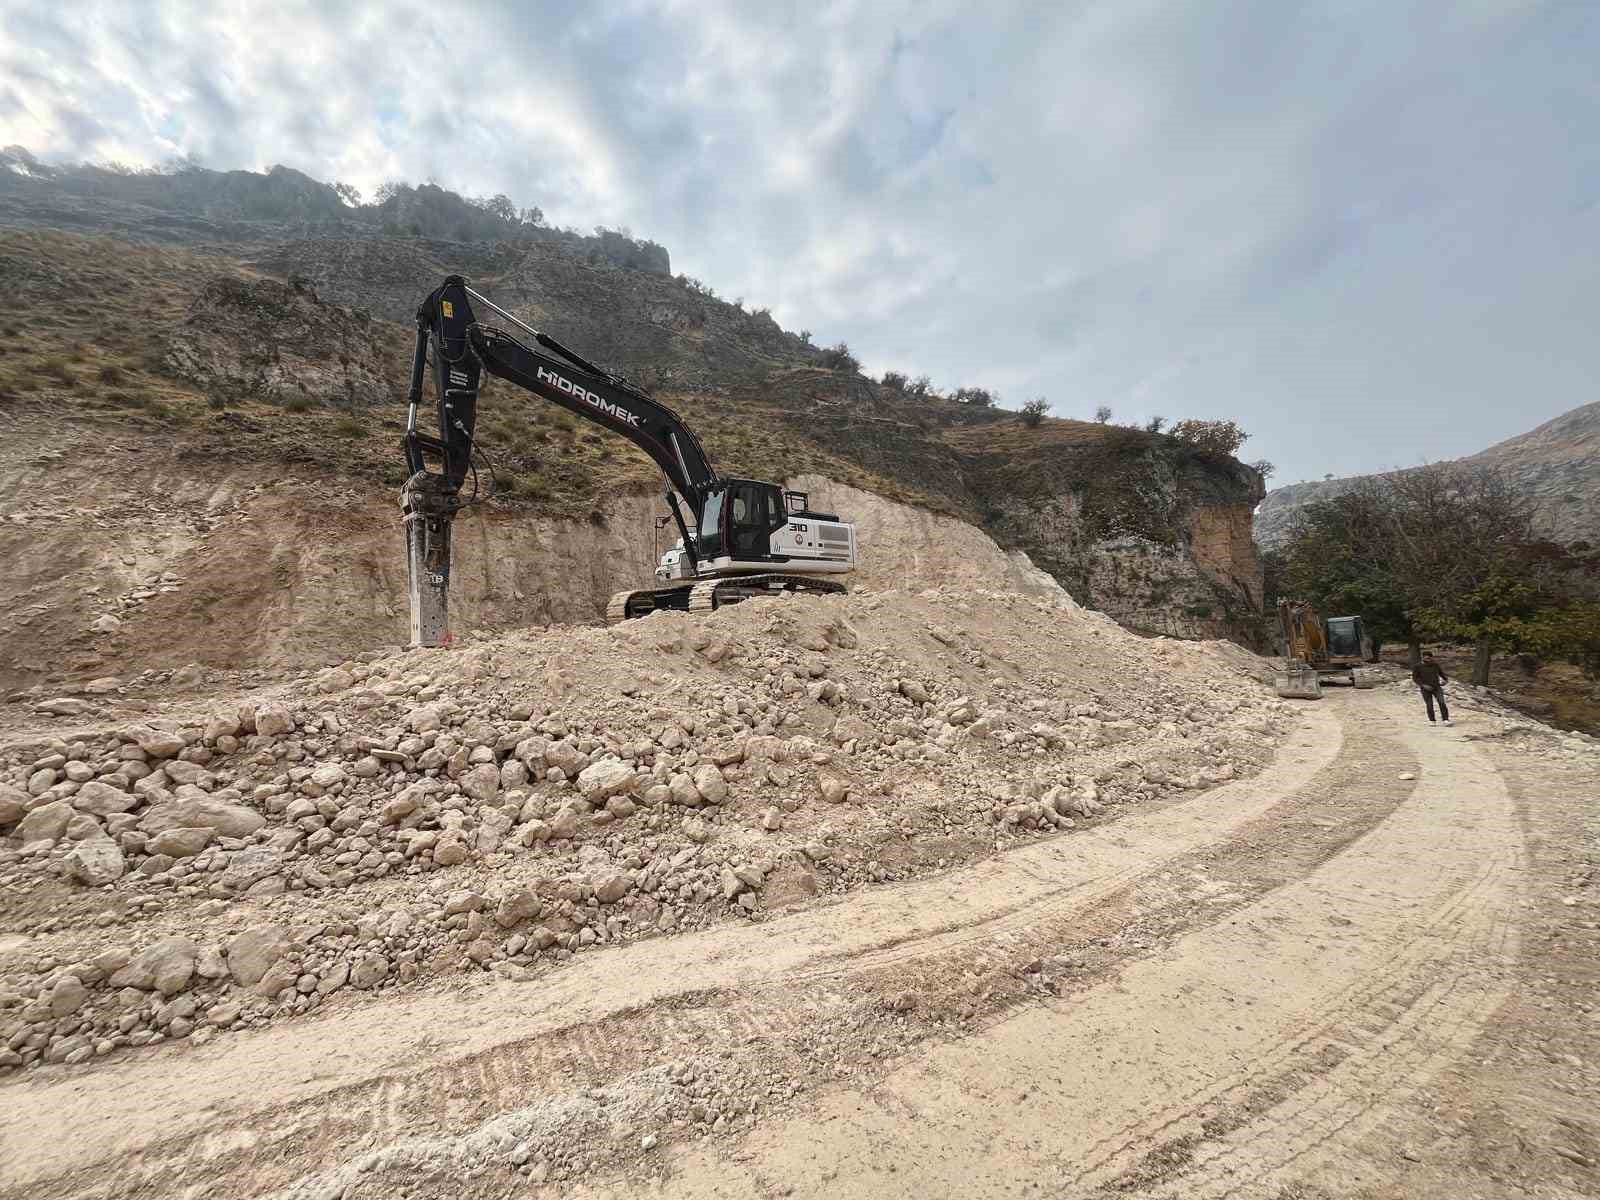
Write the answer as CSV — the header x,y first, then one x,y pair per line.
x,y
1559,463
217,398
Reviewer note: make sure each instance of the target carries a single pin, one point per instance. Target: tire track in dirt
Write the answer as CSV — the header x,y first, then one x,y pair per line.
x,y
1160,908
271,1146
1216,1069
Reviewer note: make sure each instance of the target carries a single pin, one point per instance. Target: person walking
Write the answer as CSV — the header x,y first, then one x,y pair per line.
x,y
1430,677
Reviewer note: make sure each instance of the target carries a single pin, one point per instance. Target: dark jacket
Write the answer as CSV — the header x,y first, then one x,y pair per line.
x,y
1428,675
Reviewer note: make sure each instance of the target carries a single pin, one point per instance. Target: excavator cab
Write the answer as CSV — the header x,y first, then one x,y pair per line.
x,y
738,519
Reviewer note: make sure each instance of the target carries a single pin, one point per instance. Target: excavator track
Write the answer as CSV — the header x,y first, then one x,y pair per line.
x,y
710,594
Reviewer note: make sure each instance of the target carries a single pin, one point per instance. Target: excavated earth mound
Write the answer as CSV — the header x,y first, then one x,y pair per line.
x,y
180,871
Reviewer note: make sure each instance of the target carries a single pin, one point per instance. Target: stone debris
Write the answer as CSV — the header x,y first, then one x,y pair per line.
x,y
503,805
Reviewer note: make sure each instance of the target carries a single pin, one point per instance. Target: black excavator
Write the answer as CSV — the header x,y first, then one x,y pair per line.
x,y
738,538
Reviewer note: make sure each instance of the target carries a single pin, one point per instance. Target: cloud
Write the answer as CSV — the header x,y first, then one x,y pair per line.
x,y
1358,229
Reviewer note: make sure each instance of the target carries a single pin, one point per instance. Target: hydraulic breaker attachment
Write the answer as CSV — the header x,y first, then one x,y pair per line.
x,y
429,508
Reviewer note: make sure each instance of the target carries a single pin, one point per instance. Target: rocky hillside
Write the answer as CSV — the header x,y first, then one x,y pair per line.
x,y
203,405
1559,463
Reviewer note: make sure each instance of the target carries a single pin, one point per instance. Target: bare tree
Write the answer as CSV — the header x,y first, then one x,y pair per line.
x,y
1102,414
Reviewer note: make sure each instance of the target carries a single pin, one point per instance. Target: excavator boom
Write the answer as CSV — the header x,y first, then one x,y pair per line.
x,y
757,532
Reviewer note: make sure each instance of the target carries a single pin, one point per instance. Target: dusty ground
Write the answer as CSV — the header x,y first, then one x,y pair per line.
x,y
1326,980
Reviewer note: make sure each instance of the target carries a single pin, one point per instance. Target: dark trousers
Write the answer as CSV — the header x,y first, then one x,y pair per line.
x,y
1429,695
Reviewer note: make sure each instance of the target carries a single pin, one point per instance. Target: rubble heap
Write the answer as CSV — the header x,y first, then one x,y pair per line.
x,y
510,802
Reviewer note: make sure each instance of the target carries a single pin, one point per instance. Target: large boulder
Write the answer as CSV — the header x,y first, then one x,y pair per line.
x,y
164,967
185,841
273,720
95,861
251,865
14,805
229,820
253,950
102,799
708,781
516,908
482,783
565,755
609,777
47,823
158,743
681,788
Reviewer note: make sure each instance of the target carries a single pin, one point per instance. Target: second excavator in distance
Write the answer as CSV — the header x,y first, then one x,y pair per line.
x,y
738,538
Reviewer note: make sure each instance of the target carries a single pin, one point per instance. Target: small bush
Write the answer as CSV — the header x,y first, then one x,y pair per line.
x,y
838,358
895,381
217,402
298,404
111,373
1215,437
349,426
979,397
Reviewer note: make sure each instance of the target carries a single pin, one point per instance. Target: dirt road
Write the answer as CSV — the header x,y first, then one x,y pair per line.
x,y
1355,975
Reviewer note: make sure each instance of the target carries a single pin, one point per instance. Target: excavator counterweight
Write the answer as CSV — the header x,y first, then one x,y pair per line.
x,y
738,539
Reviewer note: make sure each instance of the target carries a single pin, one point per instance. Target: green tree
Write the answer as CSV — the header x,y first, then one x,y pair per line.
x,y
1339,557
1499,614
1215,437
1034,410
1432,551
1570,632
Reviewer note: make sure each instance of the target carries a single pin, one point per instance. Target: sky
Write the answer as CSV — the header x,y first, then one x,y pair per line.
x,y
1367,231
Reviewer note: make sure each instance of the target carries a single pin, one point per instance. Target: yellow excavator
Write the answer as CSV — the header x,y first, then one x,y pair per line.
x,y
1315,648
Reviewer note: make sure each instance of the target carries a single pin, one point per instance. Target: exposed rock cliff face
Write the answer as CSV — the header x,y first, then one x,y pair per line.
x,y
1558,464
1144,528
115,571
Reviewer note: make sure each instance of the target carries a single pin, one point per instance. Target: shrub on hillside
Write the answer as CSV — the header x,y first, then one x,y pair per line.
x,y
839,358
978,396
1215,437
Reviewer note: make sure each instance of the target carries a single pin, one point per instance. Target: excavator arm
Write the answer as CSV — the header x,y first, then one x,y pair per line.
x,y
462,350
